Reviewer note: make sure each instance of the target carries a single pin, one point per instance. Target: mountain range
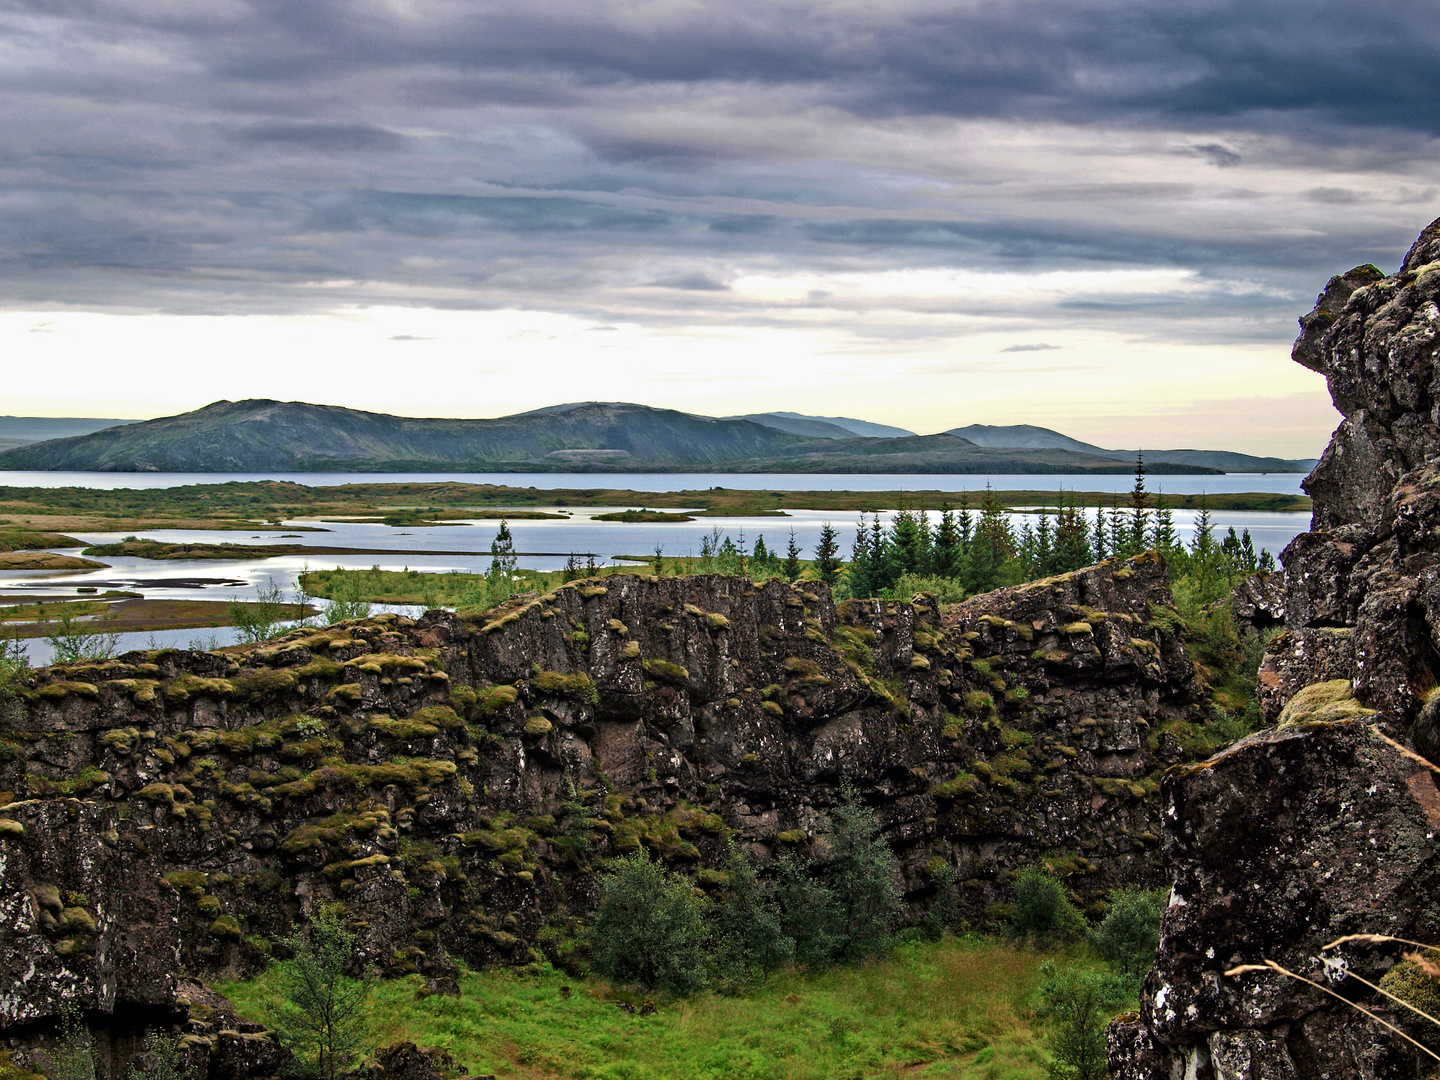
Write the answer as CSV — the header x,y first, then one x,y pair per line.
x,y
261,435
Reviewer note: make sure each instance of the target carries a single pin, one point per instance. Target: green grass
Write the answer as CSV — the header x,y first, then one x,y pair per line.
x,y
957,1008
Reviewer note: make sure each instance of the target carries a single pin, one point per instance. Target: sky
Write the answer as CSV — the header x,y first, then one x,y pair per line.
x,y
1102,217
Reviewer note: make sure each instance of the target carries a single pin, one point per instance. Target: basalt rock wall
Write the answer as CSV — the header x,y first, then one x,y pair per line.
x,y
1324,826
455,783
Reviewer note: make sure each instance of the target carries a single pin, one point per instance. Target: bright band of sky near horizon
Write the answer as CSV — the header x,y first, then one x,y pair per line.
x,y
1094,217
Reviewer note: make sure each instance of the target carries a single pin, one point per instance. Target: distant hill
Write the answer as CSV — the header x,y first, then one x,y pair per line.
x,y
825,427
277,436
23,430
1029,437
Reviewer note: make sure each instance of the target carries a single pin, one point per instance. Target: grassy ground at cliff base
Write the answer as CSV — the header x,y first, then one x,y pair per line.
x,y
956,1008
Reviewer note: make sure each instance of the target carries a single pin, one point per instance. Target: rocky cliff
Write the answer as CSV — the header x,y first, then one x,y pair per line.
x,y
456,782
1324,826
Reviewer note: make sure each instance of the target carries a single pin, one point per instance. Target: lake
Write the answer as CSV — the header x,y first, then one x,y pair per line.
x,y
544,545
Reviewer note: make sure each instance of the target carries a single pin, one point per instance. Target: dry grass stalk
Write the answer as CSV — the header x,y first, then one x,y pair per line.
x,y
1270,965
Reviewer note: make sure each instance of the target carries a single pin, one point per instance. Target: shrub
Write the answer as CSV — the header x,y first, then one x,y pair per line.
x,y
14,666
746,927
261,619
1129,933
164,1058
74,640
847,906
323,1017
648,927
1077,1004
1042,911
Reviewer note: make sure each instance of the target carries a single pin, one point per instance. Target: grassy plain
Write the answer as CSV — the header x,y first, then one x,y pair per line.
x,y
259,504
956,1008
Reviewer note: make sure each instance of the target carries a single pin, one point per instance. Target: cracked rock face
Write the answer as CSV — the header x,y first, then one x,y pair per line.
x,y
173,811
1325,826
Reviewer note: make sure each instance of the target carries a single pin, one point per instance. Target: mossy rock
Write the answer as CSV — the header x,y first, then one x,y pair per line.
x,y
666,672
494,699
185,687
578,687
1077,628
64,688
631,651
263,682
227,928
1408,982
792,836
962,786
1323,701
538,725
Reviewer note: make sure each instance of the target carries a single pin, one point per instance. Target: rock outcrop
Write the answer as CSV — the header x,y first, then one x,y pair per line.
x,y
1324,826
454,782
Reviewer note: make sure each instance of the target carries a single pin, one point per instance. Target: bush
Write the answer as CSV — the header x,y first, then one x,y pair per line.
x,y
74,640
1129,933
1078,1004
323,1014
1042,911
261,619
347,600
14,666
944,913
749,939
163,1058
648,928
848,906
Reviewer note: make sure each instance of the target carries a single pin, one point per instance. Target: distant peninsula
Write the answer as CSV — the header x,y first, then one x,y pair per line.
x,y
264,436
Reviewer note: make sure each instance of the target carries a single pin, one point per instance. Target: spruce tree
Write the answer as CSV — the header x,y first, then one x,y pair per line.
x,y
792,559
1162,534
861,573
827,562
1139,512
1101,536
946,558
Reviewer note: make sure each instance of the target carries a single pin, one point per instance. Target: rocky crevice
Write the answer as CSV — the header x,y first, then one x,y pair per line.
x,y
456,782
1324,826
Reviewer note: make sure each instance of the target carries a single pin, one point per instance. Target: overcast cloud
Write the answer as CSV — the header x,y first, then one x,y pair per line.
x,y
892,190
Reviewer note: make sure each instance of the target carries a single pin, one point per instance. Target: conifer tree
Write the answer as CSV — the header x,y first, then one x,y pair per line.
x,y
827,563
1118,545
1101,539
1162,534
1139,512
792,559
861,572
994,543
946,557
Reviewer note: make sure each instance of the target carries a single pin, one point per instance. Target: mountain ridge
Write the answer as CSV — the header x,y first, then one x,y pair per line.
x,y
266,435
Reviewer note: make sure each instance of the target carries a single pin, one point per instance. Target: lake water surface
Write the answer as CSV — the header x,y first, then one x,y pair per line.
x,y
543,545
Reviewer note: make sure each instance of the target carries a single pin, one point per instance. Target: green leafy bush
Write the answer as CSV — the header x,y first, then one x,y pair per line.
x,y
648,928
323,1020
1129,933
1042,911
1078,1004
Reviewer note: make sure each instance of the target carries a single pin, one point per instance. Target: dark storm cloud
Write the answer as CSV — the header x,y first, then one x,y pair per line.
x,y
284,155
